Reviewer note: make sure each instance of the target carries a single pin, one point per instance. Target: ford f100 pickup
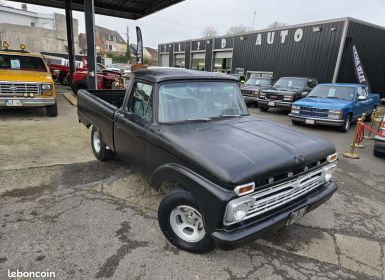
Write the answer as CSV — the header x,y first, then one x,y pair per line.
x,y
335,104
235,176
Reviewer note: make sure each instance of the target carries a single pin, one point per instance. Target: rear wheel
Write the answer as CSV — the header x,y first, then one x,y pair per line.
x,y
263,108
99,148
51,110
182,223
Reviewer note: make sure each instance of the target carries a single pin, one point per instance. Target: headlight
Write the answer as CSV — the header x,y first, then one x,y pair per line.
x,y
304,93
262,94
335,114
256,93
236,210
46,86
288,97
295,109
328,171
240,212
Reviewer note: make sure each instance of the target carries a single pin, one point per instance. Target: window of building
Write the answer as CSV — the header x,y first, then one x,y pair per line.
x,y
222,62
179,61
198,61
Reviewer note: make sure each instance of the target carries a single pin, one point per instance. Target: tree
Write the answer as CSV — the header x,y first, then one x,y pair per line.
x,y
210,32
276,24
238,29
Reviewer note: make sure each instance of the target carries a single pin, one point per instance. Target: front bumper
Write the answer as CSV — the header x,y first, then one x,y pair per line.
x,y
277,103
229,239
379,144
250,99
27,101
303,119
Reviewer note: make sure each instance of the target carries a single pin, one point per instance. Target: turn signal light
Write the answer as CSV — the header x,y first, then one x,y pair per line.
x,y
244,189
332,157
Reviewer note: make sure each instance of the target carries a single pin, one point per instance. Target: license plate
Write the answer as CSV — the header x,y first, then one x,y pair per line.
x,y
271,103
309,121
14,102
296,215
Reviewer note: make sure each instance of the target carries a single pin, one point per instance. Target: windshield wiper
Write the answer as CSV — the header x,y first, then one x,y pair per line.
x,y
230,116
198,119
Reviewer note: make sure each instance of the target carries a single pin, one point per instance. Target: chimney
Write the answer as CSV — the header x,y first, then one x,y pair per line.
x,y
24,7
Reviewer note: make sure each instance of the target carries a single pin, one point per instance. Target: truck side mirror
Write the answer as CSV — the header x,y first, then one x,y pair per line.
x,y
362,98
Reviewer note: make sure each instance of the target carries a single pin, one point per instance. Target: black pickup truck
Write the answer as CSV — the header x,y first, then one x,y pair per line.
x,y
235,175
284,92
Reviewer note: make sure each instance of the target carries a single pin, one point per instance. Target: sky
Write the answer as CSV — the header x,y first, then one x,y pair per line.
x,y
187,19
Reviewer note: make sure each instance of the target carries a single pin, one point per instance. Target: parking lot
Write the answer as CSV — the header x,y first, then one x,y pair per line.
x,y
63,211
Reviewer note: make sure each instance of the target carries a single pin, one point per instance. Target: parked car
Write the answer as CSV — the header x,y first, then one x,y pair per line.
x,y
191,128
334,104
284,92
379,141
26,81
251,89
240,77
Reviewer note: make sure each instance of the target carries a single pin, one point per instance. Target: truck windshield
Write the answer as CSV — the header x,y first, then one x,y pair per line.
x,y
19,62
340,92
258,82
185,101
291,83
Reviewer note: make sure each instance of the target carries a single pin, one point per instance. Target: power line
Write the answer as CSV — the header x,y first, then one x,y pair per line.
x,y
178,23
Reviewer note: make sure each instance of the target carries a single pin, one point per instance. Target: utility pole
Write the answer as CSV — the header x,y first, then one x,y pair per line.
x,y
255,12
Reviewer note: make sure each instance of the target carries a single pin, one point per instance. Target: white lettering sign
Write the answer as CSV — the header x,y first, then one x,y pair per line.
x,y
198,45
179,47
284,33
298,35
223,43
270,37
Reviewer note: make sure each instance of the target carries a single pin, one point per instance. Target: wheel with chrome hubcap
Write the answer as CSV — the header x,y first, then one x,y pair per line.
x,y
182,222
100,149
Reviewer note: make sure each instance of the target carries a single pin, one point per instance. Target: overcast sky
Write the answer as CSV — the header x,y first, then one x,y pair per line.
x,y
187,20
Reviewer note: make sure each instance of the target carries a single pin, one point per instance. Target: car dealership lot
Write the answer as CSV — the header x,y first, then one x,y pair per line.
x,y
62,210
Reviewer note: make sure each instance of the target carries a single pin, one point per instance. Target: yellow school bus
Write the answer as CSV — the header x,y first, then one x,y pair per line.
x,y
25,80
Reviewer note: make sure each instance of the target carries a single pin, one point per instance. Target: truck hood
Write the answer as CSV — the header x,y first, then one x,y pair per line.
x,y
238,151
323,103
25,76
249,87
283,91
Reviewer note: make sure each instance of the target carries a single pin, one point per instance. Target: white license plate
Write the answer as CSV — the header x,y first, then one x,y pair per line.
x,y
271,103
296,215
14,102
307,121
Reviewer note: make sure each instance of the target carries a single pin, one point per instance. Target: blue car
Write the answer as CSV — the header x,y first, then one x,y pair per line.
x,y
334,104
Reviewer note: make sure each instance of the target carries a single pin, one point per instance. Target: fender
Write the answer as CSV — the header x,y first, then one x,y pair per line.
x,y
211,197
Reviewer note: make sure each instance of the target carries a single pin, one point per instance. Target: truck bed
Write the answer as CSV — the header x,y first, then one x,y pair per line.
x,y
97,107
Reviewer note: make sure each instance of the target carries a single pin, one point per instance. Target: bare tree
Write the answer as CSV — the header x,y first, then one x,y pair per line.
x,y
276,24
210,32
238,29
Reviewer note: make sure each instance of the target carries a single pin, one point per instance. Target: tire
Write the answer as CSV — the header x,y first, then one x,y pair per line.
x,y
378,154
98,147
264,108
172,213
345,127
76,86
51,110
295,122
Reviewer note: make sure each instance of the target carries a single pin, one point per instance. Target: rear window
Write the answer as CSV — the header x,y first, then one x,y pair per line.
x,y
18,62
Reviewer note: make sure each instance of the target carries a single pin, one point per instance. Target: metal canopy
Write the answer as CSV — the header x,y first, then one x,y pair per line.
x,y
129,9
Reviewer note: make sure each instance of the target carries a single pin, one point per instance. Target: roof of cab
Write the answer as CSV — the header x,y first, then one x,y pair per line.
x,y
20,53
342,85
171,74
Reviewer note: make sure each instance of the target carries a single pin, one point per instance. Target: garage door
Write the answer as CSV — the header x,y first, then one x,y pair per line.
x,y
164,60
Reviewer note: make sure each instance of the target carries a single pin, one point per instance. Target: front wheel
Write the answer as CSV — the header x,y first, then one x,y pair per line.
x,y
264,108
182,223
98,147
52,110
345,127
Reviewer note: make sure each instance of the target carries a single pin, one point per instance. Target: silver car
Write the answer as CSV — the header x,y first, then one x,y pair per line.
x,y
379,142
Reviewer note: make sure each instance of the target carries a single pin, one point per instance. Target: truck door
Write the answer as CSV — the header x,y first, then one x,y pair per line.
x,y
130,125
361,106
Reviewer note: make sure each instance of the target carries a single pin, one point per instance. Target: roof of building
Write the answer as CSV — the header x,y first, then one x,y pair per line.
x,y
160,74
107,31
133,9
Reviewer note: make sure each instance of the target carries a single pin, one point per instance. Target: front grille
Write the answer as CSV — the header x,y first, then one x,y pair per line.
x,y
248,92
314,112
278,195
18,89
274,96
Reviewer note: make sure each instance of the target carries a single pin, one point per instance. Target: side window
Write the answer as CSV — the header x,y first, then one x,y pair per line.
x,y
365,92
141,103
360,91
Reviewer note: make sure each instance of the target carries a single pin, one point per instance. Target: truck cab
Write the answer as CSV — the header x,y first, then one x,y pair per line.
x,y
25,81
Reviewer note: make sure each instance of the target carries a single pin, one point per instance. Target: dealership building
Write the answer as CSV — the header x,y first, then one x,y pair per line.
x,y
321,50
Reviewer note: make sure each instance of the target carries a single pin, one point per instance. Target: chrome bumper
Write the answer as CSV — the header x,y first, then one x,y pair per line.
x,y
277,104
303,119
28,101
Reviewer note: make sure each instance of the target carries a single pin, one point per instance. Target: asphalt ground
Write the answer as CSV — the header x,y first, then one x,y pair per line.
x,y
65,212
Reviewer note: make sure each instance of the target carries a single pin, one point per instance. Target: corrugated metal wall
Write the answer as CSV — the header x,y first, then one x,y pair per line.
x,y
209,55
370,43
314,55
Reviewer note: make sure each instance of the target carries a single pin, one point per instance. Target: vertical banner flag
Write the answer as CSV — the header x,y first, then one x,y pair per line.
x,y
139,46
359,68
